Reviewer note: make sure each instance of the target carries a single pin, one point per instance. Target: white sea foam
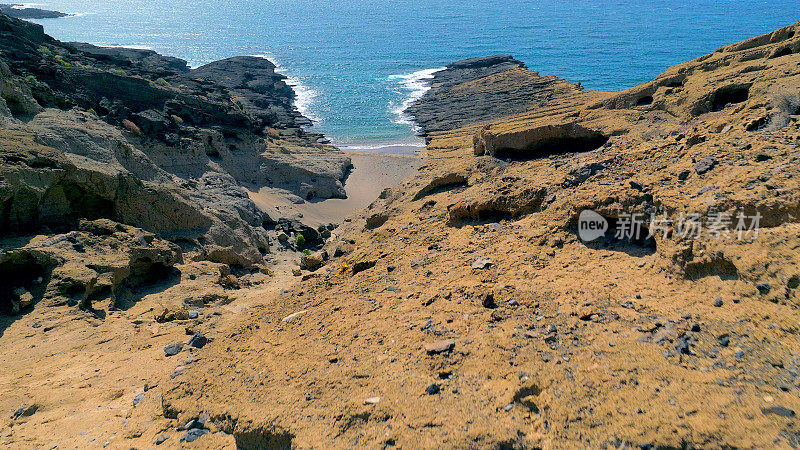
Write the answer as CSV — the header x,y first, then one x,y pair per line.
x,y
414,85
304,96
130,46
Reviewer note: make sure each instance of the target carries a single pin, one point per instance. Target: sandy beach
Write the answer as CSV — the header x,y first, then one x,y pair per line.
x,y
373,171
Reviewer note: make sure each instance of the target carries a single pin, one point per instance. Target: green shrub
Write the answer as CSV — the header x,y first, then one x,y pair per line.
x,y
306,252
300,240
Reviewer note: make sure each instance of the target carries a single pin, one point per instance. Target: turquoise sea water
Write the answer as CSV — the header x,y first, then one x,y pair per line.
x,y
357,62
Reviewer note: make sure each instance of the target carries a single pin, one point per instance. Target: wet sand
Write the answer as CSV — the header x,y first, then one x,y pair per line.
x,y
372,172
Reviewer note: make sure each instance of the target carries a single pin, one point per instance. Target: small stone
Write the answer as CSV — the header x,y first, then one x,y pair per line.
x,y
194,314
508,407
173,349
718,302
193,435
437,347
683,175
138,399
293,316
363,265
161,439
391,268
482,263
696,327
372,401
25,411
705,165
198,340
494,227
552,328
513,302
312,261
724,340
684,346
488,301
433,389
779,411
763,288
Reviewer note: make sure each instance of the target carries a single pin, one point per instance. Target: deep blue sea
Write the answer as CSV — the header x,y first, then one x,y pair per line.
x,y
357,62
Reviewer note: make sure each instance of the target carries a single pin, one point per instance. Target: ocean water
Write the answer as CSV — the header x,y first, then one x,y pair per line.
x,y
356,64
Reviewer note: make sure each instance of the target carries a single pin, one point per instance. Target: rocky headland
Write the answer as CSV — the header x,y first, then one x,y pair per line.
x,y
25,12
460,309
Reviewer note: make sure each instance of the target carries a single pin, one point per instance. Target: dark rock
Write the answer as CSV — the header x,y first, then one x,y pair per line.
x,y
198,340
25,411
695,139
488,300
779,411
173,349
433,389
363,265
160,439
684,345
718,302
724,340
583,173
193,434
705,165
683,175
377,220
763,288
696,327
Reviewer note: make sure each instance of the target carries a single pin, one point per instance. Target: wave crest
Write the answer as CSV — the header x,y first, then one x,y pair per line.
x,y
415,85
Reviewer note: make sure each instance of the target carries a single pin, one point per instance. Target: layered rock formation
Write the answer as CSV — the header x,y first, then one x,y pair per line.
x,y
139,138
463,309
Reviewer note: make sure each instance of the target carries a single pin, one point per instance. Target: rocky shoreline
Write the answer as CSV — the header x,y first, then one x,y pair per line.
x,y
24,12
